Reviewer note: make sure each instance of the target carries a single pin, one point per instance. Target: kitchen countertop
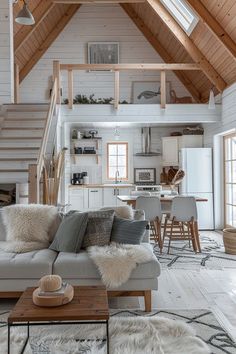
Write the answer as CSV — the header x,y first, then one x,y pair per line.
x,y
105,185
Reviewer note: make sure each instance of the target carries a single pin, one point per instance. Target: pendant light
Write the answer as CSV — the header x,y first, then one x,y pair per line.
x,y
212,103
25,17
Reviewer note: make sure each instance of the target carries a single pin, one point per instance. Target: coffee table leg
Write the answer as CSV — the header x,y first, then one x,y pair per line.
x,y
8,338
107,329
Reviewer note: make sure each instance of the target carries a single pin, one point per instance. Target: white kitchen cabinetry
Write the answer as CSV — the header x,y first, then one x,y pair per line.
x,y
171,146
77,199
95,198
110,196
123,191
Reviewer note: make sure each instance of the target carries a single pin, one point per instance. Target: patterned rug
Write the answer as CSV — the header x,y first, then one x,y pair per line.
x,y
181,256
203,322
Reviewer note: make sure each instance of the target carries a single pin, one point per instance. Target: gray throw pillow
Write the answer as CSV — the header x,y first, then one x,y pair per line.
x,y
70,234
98,232
128,231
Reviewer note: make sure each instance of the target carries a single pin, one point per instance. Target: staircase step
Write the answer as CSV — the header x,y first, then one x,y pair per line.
x,y
18,154
4,170
19,138
16,165
22,159
29,124
26,115
13,177
36,133
20,143
26,107
18,149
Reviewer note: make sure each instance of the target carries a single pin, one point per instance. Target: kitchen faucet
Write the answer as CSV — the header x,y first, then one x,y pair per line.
x,y
117,174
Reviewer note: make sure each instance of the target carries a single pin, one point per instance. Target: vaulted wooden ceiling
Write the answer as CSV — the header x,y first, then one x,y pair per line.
x,y
212,43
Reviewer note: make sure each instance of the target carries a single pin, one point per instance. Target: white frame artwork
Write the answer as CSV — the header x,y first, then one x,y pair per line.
x,y
138,87
103,52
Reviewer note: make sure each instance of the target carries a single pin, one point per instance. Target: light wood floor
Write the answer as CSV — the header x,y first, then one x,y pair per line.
x,y
189,289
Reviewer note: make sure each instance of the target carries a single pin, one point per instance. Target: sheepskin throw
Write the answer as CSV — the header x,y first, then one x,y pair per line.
x,y
116,261
27,226
124,211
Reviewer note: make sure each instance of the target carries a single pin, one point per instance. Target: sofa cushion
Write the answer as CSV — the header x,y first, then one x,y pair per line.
x,y
2,228
128,231
98,232
79,265
70,234
30,265
123,211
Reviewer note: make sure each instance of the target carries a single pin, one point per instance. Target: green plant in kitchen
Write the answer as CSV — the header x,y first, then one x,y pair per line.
x,y
83,99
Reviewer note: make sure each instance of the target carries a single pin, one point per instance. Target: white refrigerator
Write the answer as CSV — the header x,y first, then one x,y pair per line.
x,y
198,181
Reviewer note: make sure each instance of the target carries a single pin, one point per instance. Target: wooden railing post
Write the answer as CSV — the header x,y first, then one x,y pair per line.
x,y
117,89
33,192
16,84
57,76
70,88
163,89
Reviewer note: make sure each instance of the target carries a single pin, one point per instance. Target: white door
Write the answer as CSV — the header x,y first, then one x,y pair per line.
x,y
198,170
95,198
109,197
170,151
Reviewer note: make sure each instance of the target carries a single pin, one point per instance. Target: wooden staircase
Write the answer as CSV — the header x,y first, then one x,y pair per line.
x,y
21,132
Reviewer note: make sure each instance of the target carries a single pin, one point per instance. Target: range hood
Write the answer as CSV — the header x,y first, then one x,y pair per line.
x,y
146,143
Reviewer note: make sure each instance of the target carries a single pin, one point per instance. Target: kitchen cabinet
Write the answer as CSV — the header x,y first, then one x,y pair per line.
x,y
76,199
171,146
95,198
110,196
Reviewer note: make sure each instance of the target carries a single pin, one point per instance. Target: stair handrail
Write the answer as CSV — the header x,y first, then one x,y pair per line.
x,y
35,171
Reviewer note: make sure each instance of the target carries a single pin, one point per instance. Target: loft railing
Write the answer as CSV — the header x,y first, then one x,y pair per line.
x,y
116,69
35,171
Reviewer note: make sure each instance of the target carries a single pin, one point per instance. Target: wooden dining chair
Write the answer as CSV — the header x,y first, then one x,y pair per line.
x,y
152,208
180,223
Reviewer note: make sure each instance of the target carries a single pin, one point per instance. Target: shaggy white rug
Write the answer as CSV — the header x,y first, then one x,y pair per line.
x,y
116,261
140,335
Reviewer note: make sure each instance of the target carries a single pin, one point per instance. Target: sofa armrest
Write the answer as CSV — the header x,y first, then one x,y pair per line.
x,y
140,215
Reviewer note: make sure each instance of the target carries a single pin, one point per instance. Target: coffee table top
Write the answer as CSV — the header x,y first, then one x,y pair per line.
x,y
89,303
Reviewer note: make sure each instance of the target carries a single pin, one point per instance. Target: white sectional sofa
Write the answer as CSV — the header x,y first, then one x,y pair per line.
x,y
18,271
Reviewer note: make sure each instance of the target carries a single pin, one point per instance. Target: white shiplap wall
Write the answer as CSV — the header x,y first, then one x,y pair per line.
x,y
105,22
6,52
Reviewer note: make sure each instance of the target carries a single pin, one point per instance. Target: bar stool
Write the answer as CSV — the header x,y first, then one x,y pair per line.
x,y
180,223
153,213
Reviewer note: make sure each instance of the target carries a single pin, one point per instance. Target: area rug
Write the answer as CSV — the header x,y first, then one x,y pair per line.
x,y
133,328
181,256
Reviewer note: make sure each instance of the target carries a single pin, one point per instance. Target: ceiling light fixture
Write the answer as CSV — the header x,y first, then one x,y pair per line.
x,y
212,103
25,17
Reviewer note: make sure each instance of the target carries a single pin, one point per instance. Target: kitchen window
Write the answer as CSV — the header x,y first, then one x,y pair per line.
x,y
117,161
230,179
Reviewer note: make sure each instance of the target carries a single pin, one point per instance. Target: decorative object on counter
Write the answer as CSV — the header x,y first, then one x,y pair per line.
x,y
74,134
77,178
176,134
93,133
52,292
229,238
163,176
86,179
145,176
78,150
175,99
178,178
52,172
171,173
148,92
89,150
83,99
193,131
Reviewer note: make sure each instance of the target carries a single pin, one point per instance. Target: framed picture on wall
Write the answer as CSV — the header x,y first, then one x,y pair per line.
x,y
149,92
103,52
144,176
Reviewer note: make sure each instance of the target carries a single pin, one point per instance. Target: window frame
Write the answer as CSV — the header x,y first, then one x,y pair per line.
x,y
225,160
127,160
180,12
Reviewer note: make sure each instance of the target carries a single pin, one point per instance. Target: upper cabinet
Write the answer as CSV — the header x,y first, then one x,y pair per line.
x,y
171,146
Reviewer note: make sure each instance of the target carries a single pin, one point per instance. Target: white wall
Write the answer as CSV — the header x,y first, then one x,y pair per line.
x,y
213,137
6,52
96,23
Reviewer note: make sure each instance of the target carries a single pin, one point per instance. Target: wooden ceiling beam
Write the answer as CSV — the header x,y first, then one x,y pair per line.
x,y
160,50
96,1
188,44
214,26
41,11
66,17
137,66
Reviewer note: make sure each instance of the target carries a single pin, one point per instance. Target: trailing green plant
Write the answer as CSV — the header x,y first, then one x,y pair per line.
x,y
83,99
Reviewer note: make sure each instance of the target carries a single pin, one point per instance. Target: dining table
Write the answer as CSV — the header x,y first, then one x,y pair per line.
x,y
166,207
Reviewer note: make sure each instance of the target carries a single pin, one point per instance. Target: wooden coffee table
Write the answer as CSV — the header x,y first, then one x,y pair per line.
x,y
89,306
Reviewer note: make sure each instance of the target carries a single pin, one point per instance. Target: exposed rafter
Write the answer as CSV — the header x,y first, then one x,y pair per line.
x,y
160,49
214,26
25,32
188,44
96,1
66,17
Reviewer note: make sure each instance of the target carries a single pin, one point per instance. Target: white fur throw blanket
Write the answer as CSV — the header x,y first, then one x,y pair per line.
x,y
116,261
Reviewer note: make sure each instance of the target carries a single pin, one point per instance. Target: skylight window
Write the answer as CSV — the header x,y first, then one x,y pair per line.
x,y
182,13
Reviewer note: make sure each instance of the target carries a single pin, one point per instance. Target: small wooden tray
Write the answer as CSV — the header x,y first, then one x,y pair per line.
x,y
53,301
